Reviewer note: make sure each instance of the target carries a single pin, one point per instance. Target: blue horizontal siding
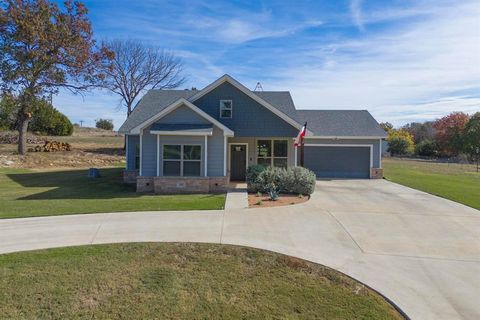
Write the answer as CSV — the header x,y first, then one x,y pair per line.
x,y
249,118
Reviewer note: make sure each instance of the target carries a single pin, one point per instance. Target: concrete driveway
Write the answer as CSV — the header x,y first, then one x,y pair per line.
x,y
420,251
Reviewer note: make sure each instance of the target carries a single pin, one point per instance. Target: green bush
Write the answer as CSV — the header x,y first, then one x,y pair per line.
x,y
272,180
49,121
294,180
398,145
299,180
8,113
252,174
104,124
426,148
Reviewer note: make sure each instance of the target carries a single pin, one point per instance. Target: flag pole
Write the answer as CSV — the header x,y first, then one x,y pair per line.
x,y
302,147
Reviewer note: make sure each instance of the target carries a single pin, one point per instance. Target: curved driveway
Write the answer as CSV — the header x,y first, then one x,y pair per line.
x,y
421,251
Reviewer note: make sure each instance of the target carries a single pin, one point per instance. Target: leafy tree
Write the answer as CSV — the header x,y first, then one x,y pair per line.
x,y
449,134
400,142
387,126
137,68
49,121
426,148
398,146
472,137
44,48
421,131
8,110
104,124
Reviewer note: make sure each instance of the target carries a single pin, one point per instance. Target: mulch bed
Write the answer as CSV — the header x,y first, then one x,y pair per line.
x,y
255,201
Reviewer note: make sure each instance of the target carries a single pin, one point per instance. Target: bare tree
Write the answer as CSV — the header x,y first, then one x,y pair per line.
x,y
137,68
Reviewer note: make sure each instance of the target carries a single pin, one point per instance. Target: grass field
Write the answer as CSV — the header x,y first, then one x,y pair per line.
x,y
457,182
178,281
26,193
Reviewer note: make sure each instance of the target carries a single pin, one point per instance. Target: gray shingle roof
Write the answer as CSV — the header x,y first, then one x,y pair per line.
x,y
152,103
335,123
338,123
282,100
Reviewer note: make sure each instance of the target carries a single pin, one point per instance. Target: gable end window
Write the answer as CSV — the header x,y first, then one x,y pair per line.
x,y
226,109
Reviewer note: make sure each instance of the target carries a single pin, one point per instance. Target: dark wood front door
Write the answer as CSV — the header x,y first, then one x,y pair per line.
x,y
238,158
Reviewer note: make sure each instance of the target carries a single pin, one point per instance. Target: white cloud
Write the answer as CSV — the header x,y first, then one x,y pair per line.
x,y
394,70
356,12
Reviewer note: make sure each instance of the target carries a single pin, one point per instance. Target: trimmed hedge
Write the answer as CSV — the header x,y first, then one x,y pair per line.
x,y
294,180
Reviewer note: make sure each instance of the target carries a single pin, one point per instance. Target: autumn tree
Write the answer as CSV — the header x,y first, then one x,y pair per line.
x,y
449,132
421,131
43,48
400,142
471,138
137,68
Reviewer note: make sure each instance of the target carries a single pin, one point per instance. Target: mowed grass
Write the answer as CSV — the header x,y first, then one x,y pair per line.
x,y
26,193
178,281
457,182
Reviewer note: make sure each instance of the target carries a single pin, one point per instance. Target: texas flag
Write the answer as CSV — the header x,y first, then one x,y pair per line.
x,y
301,134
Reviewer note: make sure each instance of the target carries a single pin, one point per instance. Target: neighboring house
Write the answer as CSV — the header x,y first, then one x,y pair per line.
x,y
199,140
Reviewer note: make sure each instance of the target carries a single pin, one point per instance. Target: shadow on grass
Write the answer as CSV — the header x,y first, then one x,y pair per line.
x,y
75,184
107,151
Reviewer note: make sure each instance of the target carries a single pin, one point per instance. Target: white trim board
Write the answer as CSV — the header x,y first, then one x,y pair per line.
x,y
245,90
344,145
175,105
181,133
230,154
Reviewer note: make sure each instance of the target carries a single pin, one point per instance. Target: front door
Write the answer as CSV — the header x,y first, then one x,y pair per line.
x,y
238,162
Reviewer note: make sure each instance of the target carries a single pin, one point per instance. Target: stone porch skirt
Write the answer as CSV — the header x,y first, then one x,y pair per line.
x,y
177,185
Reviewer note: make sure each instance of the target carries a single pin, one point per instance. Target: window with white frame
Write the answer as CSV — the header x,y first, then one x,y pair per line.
x,y
272,153
226,109
182,160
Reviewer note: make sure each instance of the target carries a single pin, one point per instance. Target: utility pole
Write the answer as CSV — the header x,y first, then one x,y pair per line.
x,y
81,123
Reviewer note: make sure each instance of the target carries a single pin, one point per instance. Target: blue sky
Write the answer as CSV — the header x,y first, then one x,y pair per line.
x,y
402,60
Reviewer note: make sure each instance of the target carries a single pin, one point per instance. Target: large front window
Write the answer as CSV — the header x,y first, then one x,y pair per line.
x,y
182,160
272,153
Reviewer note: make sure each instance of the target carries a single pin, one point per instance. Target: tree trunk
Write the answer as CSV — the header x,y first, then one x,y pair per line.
x,y
22,135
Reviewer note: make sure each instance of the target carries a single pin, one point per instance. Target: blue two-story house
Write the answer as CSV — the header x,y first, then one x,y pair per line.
x,y
199,140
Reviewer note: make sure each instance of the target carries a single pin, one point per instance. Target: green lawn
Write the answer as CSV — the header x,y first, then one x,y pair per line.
x,y
457,182
25,193
178,281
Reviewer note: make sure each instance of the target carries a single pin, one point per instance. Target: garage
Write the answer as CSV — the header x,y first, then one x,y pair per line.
x,y
339,161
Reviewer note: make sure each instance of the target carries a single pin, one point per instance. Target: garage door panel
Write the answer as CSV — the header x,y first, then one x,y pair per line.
x,y
338,162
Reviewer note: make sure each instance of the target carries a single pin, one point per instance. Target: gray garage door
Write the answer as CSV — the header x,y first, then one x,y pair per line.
x,y
338,162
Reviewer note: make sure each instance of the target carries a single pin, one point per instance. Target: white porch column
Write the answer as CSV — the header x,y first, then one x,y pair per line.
x,y
224,155
296,155
206,157
158,155
140,156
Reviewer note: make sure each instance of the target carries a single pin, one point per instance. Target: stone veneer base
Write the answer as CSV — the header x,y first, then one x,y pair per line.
x,y
376,173
179,185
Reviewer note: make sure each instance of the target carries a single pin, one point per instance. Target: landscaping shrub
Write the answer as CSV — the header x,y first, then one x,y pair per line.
x,y
299,180
294,180
272,181
426,148
49,121
252,174
104,124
